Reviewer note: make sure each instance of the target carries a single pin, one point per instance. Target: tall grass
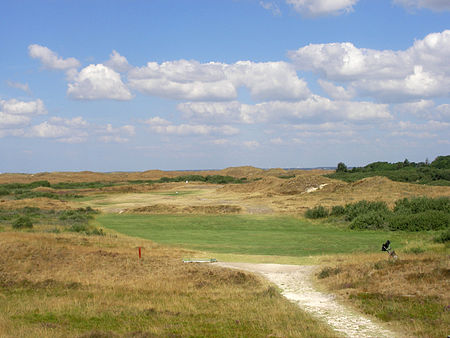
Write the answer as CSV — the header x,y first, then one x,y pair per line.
x,y
98,287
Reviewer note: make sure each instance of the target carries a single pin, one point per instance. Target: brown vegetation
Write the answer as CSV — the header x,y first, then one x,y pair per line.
x,y
68,285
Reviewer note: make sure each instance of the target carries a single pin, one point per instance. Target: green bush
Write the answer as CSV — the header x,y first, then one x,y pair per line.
x,y
371,220
441,162
422,204
4,191
354,210
22,222
444,237
422,221
316,212
337,210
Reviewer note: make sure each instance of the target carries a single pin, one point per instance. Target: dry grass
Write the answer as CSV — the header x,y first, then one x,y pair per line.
x,y
69,285
412,292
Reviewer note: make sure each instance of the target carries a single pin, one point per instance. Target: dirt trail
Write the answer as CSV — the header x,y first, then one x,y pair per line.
x,y
296,283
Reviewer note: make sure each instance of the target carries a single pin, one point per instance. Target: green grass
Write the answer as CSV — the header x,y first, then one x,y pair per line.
x,y
253,235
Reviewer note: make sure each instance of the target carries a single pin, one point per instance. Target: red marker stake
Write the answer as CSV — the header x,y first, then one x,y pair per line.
x,y
139,252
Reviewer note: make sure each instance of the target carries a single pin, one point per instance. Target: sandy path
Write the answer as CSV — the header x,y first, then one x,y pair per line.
x,y
295,281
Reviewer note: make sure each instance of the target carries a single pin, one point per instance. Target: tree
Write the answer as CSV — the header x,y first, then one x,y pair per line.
x,y
341,168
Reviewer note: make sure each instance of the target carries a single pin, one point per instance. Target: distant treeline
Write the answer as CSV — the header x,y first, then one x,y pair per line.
x,y
434,173
25,190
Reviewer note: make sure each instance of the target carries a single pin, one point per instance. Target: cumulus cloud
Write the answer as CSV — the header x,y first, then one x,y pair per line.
x,y
10,120
336,92
50,59
314,108
435,5
161,126
194,81
98,82
61,130
315,8
426,109
48,130
421,71
17,107
118,62
77,122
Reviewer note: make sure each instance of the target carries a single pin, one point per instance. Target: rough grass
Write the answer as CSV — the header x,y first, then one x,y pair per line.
x,y
73,285
412,292
252,235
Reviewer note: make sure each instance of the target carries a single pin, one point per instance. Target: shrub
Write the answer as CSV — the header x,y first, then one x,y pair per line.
x,y
422,204
337,210
4,191
444,237
428,220
316,212
78,228
371,220
22,222
327,272
354,210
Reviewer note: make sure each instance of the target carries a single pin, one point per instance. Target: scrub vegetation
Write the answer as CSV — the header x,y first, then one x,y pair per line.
x,y
434,173
408,214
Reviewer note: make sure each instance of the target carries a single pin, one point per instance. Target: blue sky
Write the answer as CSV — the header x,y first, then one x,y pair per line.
x,y
201,84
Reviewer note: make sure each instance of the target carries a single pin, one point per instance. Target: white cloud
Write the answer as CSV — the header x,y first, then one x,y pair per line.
x,y
314,108
47,130
161,126
118,62
322,7
194,81
271,6
113,139
77,122
426,109
50,59
126,129
98,82
268,80
10,120
157,121
18,85
336,92
436,5
16,107
421,71
186,80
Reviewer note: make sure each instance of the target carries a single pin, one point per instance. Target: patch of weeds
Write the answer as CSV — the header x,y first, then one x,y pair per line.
x,y
443,237
23,222
415,250
327,272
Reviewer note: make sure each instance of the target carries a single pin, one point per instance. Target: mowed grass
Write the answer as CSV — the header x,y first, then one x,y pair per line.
x,y
253,235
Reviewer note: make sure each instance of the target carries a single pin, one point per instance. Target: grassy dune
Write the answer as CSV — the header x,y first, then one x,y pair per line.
x,y
63,285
